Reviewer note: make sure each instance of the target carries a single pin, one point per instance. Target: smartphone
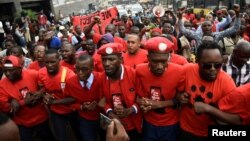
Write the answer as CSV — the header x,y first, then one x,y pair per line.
x,y
104,121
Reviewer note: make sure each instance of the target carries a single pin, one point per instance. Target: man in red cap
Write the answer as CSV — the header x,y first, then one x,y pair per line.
x,y
118,84
19,97
157,83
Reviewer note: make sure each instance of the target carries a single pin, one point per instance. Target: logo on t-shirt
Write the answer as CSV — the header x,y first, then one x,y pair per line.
x,y
117,99
155,93
23,92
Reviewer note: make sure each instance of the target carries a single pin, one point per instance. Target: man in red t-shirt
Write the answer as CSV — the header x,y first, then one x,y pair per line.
x,y
135,55
68,55
118,86
205,82
85,89
157,83
19,97
233,108
53,78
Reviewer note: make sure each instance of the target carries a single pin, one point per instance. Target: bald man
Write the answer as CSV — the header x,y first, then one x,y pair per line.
x,y
238,64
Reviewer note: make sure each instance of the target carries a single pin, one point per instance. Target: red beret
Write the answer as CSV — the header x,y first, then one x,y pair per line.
x,y
14,61
110,48
157,30
159,44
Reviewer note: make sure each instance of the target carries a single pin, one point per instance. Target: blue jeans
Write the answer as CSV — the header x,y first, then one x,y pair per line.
x,y
159,133
60,123
88,129
43,131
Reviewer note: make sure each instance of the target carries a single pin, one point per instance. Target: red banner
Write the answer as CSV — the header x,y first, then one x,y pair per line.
x,y
105,15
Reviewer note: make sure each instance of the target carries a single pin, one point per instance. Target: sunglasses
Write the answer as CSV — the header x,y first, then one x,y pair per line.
x,y
210,65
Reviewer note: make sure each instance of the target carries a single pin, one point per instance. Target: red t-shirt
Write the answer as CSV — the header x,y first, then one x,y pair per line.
x,y
178,59
55,87
138,58
201,90
34,66
160,88
69,66
238,102
27,116
74,89
97,62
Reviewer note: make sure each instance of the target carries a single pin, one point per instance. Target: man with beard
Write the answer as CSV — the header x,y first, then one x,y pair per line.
x,y
20,98
205,82
68,55
39,53
52,78
118,84
157,84
85,89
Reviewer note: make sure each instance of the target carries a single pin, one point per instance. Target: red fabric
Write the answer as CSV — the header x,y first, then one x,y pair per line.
x,y
69,66
238,102
74,89
178,59
196,22
175,47
133,60
26,115
189,17
147,82
34,66
42,19
106,16
200,90
246,37
121,41
97,62
52,85
159,44
127,86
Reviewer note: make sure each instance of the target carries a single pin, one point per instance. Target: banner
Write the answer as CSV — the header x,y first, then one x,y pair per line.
x,y
105,15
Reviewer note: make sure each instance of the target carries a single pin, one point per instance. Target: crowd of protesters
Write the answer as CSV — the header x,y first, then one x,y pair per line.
x,y
158,78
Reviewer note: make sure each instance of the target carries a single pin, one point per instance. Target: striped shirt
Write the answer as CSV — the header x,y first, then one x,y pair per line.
x,y
240,76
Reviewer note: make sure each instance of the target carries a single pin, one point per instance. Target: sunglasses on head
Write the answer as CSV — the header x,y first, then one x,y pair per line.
x,y
210,65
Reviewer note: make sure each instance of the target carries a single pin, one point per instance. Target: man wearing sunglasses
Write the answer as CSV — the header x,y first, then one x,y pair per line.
x,y
238,65
207,83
